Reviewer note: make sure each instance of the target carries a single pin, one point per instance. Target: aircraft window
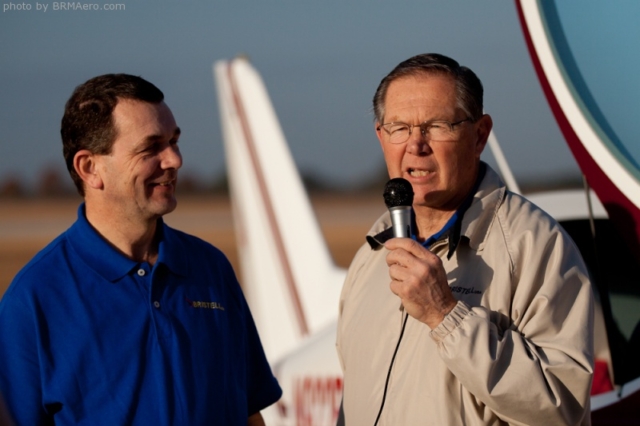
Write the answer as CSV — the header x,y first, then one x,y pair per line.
x,y
626,311
617,279
605,83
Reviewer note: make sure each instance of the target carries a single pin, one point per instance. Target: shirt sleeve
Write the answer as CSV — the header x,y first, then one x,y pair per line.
x,y
539,369
20,377
262,387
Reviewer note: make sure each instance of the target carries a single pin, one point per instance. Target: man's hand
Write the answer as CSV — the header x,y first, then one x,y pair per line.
x,y
255,420
419,280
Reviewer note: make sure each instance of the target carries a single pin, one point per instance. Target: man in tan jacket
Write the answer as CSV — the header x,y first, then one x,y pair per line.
x,y
485,316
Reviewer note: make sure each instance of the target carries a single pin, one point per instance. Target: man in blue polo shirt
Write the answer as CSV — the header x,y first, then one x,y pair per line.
x,y
121,319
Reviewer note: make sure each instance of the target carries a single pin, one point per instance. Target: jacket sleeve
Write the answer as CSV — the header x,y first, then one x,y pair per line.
x,y
537,370
356,265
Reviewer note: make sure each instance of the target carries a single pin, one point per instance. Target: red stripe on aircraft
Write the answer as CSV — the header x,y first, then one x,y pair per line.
x,y
273,224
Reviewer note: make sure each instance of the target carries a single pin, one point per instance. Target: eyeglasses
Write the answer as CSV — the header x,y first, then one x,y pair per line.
x,y
434,131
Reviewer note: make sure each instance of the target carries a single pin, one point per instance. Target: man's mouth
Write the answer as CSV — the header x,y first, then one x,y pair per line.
x,y
165,183
419,172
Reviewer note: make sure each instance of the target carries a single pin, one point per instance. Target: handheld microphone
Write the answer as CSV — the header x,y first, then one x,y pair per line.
x,y
398,196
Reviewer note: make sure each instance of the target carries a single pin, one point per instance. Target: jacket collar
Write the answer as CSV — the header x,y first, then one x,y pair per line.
x,y
476,216
483,210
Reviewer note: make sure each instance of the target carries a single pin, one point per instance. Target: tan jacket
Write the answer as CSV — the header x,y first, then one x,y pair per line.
x,y
517,348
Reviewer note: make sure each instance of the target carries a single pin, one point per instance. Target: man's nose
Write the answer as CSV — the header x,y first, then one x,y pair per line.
x,y
171,157
418,143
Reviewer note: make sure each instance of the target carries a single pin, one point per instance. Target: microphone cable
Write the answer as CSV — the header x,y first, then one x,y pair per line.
x,y
393,358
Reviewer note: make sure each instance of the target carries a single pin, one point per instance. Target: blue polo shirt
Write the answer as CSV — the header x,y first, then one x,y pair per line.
x,y
89,336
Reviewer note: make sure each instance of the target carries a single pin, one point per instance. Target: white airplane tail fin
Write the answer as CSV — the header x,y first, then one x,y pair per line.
x,y
290,280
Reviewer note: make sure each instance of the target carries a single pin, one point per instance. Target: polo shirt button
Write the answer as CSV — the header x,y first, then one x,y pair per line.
x,y
141,272
156,304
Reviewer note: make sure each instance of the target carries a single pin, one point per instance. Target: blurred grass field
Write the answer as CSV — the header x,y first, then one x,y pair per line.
x,y
27,225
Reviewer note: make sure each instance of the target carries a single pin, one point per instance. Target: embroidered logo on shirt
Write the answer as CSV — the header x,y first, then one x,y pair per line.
x,y
204,305
464,290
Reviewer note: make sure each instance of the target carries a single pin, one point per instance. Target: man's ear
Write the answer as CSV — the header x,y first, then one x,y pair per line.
x,y
86,165
483,129
379,131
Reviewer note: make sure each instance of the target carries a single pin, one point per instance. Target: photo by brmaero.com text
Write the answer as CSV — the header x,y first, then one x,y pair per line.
x,y
60,6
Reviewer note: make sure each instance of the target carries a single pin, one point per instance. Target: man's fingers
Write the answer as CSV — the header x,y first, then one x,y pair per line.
x,y
403,243
404,251
410,246
399,273
398,257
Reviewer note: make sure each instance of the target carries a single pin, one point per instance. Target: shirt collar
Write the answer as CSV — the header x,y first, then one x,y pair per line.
x,y
172,252
452,227
107,261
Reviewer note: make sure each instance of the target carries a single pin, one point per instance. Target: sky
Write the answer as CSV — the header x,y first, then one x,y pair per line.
x,y
321,62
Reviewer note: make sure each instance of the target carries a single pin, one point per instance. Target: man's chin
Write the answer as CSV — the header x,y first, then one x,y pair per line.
x,y
164,206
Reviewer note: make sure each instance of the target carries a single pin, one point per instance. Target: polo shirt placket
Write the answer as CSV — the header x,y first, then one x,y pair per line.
x,y
144,276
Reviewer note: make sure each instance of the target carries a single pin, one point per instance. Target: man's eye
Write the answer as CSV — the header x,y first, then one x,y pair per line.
x,y
151,149
398,129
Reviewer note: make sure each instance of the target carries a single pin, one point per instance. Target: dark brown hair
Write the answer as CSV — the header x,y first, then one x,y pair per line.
x,y
88,123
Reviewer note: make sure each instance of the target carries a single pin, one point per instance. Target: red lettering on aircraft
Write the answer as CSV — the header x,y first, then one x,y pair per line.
x,y
317,400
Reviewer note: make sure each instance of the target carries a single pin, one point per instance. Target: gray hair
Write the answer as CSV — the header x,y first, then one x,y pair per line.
x,y
468,85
